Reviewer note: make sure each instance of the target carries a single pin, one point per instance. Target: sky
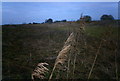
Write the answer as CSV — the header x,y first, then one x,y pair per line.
x,y
59,0
26,12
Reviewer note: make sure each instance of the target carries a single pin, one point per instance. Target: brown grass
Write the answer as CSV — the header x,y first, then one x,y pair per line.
x,y
63,56
70,48
39,71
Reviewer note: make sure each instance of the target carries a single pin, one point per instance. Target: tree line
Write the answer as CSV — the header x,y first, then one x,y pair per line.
x,y
85,18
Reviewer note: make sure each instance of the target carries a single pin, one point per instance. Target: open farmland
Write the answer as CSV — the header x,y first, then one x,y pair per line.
x,y
24,46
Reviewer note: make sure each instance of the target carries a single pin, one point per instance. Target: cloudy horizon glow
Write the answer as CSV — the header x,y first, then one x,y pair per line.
x,y
26,12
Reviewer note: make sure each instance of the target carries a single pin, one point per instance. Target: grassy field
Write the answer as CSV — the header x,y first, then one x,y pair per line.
x,y
24,46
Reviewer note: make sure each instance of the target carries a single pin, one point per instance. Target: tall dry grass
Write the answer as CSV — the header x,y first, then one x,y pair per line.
x,y
68,55
105,35
63,56
40,71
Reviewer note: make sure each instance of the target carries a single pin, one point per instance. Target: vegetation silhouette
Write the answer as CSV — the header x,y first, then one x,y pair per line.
x,y
106,17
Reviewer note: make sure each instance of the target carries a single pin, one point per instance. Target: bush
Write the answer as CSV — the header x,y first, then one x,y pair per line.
x,y
87,18
107,17
49,21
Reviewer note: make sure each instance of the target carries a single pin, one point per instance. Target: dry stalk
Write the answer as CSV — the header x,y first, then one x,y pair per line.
x,y
95,60
39,71
58,75
69,48
80,41
105,35
68,66
74,64
63,55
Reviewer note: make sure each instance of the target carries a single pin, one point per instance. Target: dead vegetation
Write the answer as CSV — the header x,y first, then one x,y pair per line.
x,y
40,71
82,56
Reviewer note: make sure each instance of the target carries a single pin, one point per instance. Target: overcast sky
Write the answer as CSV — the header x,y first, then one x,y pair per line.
x,y
60,0
25,12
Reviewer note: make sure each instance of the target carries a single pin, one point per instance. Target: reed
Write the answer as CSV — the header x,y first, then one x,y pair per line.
x,y
40,71
63,55
71,48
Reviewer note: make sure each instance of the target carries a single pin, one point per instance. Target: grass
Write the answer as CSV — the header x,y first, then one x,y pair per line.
x,y
98,31
44,41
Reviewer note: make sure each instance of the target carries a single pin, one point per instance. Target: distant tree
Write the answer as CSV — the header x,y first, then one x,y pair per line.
x,y
111,17
56,21
107,17
49,21
29,23
35,23
42,23
64,21
87,18
60,21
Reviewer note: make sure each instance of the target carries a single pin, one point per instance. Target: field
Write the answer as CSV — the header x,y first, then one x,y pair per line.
x,y
26,45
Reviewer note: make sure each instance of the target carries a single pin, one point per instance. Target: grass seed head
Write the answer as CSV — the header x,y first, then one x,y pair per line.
x,y
39,71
